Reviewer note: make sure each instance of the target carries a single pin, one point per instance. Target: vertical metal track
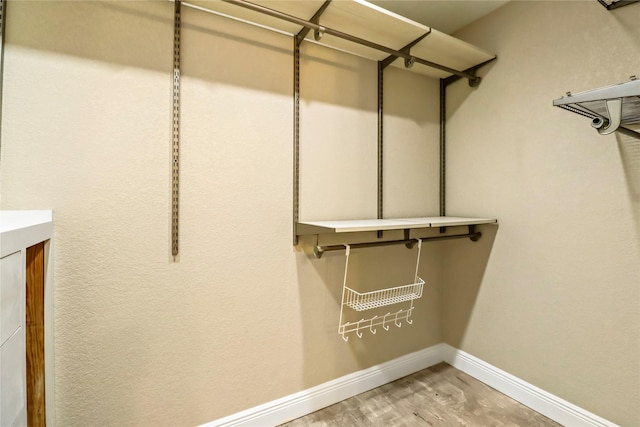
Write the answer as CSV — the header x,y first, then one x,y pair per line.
x,y
474,81
381,66
297,41
175,162
296,137
443,147
380,142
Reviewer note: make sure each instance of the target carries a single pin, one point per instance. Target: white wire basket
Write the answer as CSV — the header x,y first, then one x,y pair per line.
x,y
369,300
361,301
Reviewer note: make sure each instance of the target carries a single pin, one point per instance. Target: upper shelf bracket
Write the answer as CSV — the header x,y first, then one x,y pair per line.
x,y
472,82
316,20
407,49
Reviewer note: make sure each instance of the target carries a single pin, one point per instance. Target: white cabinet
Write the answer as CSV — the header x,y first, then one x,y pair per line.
x,y
20,230
11,295
13,402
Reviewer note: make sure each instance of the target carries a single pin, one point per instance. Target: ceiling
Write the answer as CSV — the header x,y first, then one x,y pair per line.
x,y
447,16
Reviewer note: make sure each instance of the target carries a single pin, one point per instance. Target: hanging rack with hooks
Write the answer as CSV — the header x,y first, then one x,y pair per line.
x,y
364,301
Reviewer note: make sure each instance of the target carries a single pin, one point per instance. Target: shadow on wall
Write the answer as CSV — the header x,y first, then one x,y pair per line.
x,y
140,34
326,354
459,91
113,32
465,265
630,156
628,21
629,146
116,33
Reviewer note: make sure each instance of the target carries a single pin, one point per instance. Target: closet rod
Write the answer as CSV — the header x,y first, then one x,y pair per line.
x,y
345,36
318,250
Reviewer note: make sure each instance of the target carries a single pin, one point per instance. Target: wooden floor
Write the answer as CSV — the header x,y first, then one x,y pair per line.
x,y
437,396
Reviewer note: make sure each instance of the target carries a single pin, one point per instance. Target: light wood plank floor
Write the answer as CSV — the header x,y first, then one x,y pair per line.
x,y
437,396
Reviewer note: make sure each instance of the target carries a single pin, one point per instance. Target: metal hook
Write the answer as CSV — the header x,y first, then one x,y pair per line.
x,y
373,331
398,323
318,33
384,321
409,314
358,333
344,328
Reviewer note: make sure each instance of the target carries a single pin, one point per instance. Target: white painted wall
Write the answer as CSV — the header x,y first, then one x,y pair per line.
x,y
555,298
242,318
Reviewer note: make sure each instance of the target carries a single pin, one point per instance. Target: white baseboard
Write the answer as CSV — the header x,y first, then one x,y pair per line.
x,y
302,403
529,395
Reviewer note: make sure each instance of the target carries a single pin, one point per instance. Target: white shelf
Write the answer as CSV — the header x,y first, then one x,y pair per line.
x,y
21,229
363,20
362,225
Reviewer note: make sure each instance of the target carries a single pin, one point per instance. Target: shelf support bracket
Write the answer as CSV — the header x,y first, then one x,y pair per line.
x,y
315,19
408,62
473,235
407,237
474,80
317,249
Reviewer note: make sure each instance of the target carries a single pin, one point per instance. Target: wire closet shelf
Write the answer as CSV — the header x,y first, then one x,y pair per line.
x,y
363,301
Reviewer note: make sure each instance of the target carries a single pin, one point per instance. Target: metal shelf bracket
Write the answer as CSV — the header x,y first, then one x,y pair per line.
x,y
407,237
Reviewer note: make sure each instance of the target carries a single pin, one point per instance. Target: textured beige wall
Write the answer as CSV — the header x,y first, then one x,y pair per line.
x,y
242,318
555,298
